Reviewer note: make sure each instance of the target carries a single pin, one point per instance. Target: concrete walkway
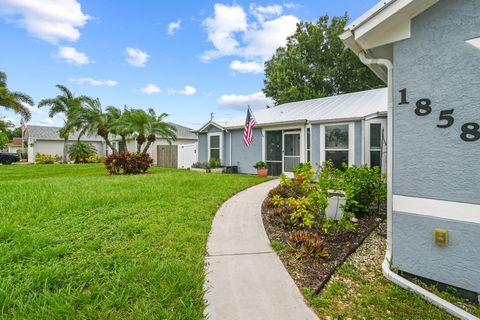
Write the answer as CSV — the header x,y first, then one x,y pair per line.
x,y
245,278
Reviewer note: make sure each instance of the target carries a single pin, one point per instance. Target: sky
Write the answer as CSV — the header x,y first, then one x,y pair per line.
x,y
185,58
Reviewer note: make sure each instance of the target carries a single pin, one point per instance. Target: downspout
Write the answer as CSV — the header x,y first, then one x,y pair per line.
x,y
387,272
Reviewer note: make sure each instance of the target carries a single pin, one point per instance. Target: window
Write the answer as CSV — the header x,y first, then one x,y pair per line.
x,y
376,145
214,146
121,147
308,145
337,144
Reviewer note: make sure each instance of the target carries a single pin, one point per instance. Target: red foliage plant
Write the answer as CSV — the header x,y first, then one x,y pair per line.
x,y
128,163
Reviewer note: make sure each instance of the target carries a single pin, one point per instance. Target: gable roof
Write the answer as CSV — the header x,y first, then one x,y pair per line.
x,y
52,133
350,106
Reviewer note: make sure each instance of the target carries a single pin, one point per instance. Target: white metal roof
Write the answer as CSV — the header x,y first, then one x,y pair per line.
x,y
349,106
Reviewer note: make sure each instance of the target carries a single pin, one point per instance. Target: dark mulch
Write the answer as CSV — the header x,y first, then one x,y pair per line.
x,y
312,273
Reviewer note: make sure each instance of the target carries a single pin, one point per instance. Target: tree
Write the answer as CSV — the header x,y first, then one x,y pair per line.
x,y
80,151
14,100
147,125
3,140
117,123
65,103
92,120
315,63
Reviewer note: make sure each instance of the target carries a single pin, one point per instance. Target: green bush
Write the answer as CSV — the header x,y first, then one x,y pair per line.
x,y
214,163
307,244
80,151
260,165
46,158
95,159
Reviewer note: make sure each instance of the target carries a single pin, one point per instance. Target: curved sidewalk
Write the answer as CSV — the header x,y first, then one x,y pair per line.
x,y
245,279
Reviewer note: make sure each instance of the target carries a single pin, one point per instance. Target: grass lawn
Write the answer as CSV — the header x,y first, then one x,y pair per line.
x,y
77,243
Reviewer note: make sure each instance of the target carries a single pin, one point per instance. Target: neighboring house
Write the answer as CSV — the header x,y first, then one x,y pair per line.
x,y
434,191
46,140
346,128
15,146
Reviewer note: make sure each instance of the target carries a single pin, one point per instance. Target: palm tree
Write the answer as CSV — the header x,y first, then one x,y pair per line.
x,y
14,100
118,125
147,125
92,120
65,103
80,151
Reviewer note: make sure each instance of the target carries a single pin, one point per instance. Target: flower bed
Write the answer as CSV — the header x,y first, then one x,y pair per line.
x,y
310,245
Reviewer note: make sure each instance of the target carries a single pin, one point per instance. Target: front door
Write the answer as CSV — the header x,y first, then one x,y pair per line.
x,y
291,150
273,156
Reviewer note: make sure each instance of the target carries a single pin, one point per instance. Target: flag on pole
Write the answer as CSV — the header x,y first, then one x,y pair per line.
x,y
248,130
23,126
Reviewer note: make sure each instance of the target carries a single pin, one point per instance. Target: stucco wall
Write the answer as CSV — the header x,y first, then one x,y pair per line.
x,y
437,64
414,251
202,147
55,147
245,157
315,145
435,163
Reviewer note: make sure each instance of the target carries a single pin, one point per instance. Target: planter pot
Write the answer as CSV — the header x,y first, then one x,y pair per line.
x,y
198,170
335,200
262,172
217,170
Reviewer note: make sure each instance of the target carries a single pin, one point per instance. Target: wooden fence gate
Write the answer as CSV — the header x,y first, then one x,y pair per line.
x,y
167,156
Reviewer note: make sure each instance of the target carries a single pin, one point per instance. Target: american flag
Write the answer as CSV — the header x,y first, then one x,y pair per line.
x,y
248,130
22,125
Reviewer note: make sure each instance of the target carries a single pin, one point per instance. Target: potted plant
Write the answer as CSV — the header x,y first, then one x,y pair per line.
x,y
261,167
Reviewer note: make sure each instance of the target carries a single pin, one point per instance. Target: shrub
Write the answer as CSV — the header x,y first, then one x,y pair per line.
x,y
214,163
80,151
307,244
128,163
46,158
95,159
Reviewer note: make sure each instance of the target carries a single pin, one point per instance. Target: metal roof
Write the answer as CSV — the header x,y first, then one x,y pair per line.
x,y
357,105
51,133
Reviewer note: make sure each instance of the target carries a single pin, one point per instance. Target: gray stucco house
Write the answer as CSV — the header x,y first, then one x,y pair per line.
x,y
346,128
46,140
428,51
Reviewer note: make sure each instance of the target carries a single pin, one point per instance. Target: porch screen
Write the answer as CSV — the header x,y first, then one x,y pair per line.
x,y
274,152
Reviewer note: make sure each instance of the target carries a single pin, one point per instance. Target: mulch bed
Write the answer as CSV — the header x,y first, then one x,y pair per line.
x,y
313,273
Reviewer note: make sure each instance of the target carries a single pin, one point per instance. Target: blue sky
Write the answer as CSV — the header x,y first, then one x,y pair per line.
x,y
186,58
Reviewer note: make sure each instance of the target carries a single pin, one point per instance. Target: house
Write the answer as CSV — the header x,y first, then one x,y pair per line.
x,y
46,140
428,51
15,146
347,128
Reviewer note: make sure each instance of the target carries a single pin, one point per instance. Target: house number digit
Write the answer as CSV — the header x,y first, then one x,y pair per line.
x,y
403,96
446,115
423,107
470,132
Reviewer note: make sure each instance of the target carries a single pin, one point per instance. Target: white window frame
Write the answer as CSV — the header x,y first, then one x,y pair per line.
x,y
351,141
308,136
220,149
383,123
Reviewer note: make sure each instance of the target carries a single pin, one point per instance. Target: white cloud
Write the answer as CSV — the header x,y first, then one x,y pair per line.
x,y
94,82
47,121
187,91
71,55
246,67
221,29
173,26
150,89
256,100
33,109
49,20
262,13
231,34
136,57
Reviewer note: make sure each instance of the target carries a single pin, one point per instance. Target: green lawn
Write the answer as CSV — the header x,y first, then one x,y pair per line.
x,y
77,243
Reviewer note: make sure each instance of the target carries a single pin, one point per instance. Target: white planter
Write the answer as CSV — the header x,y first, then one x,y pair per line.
x,y
198,169
216,170
336,199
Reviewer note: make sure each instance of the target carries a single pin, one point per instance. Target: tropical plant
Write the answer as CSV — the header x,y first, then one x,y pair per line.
x,y
15,101
46,158
147,125
3,140
315,63
65,103
80,151
307,244
92,120
118,123
214,163
127,163
260,165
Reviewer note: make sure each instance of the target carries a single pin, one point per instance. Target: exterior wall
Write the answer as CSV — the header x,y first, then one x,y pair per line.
x,y
202,147
315,145
358,143
431,162
55,147
245,157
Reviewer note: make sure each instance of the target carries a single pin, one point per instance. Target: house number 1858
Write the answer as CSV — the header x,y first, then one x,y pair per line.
x,y
423,107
